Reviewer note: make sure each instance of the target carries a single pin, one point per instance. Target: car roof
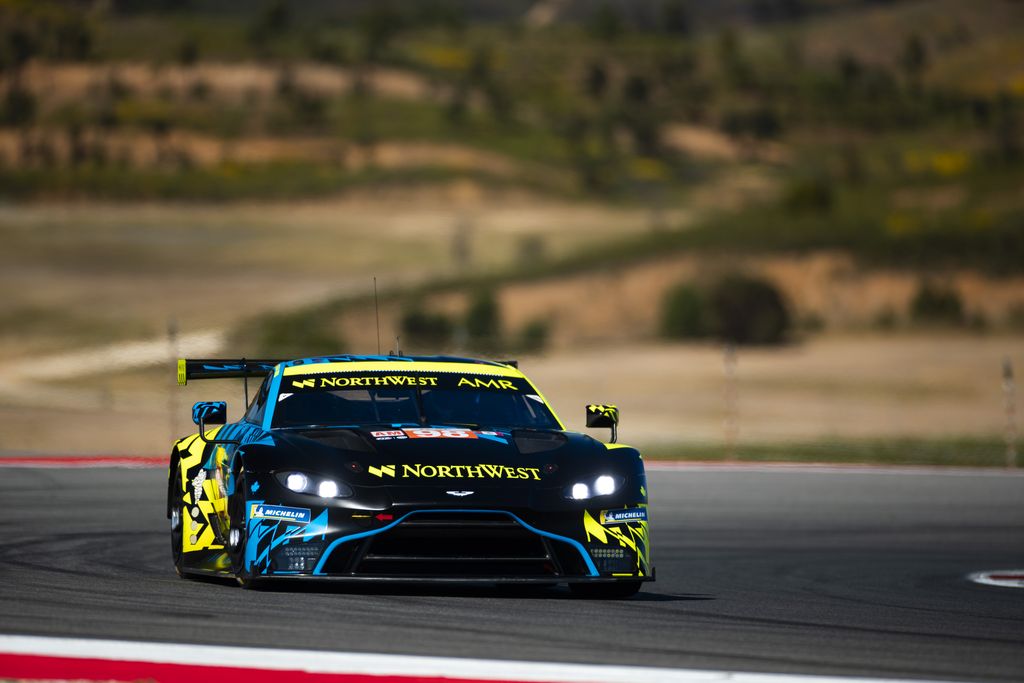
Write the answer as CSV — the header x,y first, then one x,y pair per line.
x,y
352,363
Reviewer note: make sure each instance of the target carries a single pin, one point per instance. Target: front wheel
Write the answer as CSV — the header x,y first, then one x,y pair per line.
x,y
177,516
237,532
605,591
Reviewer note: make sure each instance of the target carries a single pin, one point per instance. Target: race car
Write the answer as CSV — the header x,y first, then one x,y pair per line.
x,y
398,468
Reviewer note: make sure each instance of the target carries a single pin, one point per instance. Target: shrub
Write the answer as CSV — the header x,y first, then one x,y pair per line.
x,y
977,321
424,328
738,309
483,320
1015,317
809,195
188,51
812,322
290,335
684,313
935,304
534,335
19,107
748,310
606,24
885,320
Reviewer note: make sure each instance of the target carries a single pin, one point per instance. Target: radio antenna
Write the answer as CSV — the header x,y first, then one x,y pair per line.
x,y
376,308
245,381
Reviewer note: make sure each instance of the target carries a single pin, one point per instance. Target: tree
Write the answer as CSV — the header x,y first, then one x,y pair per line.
x,y
22,46
934,304
675,18
74,38
458,105
606,23
273,22
379,25
730,59
643,120
850,69
596,80
684,313
1006,129
326,50
19,106
914,58
637,90
278,17
483,320
188,51
448,15
425,329
768,11
749,310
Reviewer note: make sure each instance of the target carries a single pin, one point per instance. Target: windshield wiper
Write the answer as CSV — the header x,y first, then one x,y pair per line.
x,y
319,426
445,423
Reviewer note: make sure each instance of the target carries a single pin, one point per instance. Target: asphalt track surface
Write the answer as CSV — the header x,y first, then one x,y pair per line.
x,y
826,572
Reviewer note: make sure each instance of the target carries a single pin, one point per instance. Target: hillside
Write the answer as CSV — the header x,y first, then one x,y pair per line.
x,y
518,176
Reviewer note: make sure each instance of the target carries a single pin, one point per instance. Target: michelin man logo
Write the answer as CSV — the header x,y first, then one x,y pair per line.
x,y
197,486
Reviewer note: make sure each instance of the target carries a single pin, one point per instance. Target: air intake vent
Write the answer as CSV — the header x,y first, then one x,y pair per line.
x,y
344,439
458,545
529,443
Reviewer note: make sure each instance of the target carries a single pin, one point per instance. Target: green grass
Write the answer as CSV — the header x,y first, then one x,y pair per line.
x,y
387,118
158,37
228,181
864,221
952,452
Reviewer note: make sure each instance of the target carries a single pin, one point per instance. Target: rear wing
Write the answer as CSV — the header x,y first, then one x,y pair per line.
x,y
228,368
224,368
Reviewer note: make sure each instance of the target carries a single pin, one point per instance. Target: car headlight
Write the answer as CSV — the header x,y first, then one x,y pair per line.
x,y
603,485
297,481
313,485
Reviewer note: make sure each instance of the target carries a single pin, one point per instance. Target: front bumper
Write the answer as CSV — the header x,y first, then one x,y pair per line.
x,y
449,545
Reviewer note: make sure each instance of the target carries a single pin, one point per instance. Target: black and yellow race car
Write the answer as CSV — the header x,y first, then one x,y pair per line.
x,y
395,468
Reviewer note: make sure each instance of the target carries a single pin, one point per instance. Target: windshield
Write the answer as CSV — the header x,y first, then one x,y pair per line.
x,y
419,400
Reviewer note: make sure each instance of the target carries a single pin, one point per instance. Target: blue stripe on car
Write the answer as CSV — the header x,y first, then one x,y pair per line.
x,y
275,387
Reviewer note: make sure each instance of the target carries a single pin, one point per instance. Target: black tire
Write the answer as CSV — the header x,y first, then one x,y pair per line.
x,y
236,535
605,591
177,514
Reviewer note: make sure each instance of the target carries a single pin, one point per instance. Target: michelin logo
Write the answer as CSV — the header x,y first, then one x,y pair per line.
x,y
279,512
622,516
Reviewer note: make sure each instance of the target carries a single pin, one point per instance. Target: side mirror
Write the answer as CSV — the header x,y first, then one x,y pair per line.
x,y
604,416
210,413
207,413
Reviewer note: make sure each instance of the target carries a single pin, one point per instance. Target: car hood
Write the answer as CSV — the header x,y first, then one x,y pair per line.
x,y
490,468
394,456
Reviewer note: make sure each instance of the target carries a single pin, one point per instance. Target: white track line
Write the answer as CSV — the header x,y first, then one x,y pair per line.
x,y
826,468
999,577
314,661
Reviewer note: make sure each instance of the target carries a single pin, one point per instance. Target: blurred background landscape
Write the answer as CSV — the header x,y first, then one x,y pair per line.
x,y
766,229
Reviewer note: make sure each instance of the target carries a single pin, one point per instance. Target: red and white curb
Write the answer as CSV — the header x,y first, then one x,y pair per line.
x,y
31,658
152,462
1004,578
73,462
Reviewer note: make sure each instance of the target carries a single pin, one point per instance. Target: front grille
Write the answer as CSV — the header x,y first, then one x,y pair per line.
x,y
470,545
